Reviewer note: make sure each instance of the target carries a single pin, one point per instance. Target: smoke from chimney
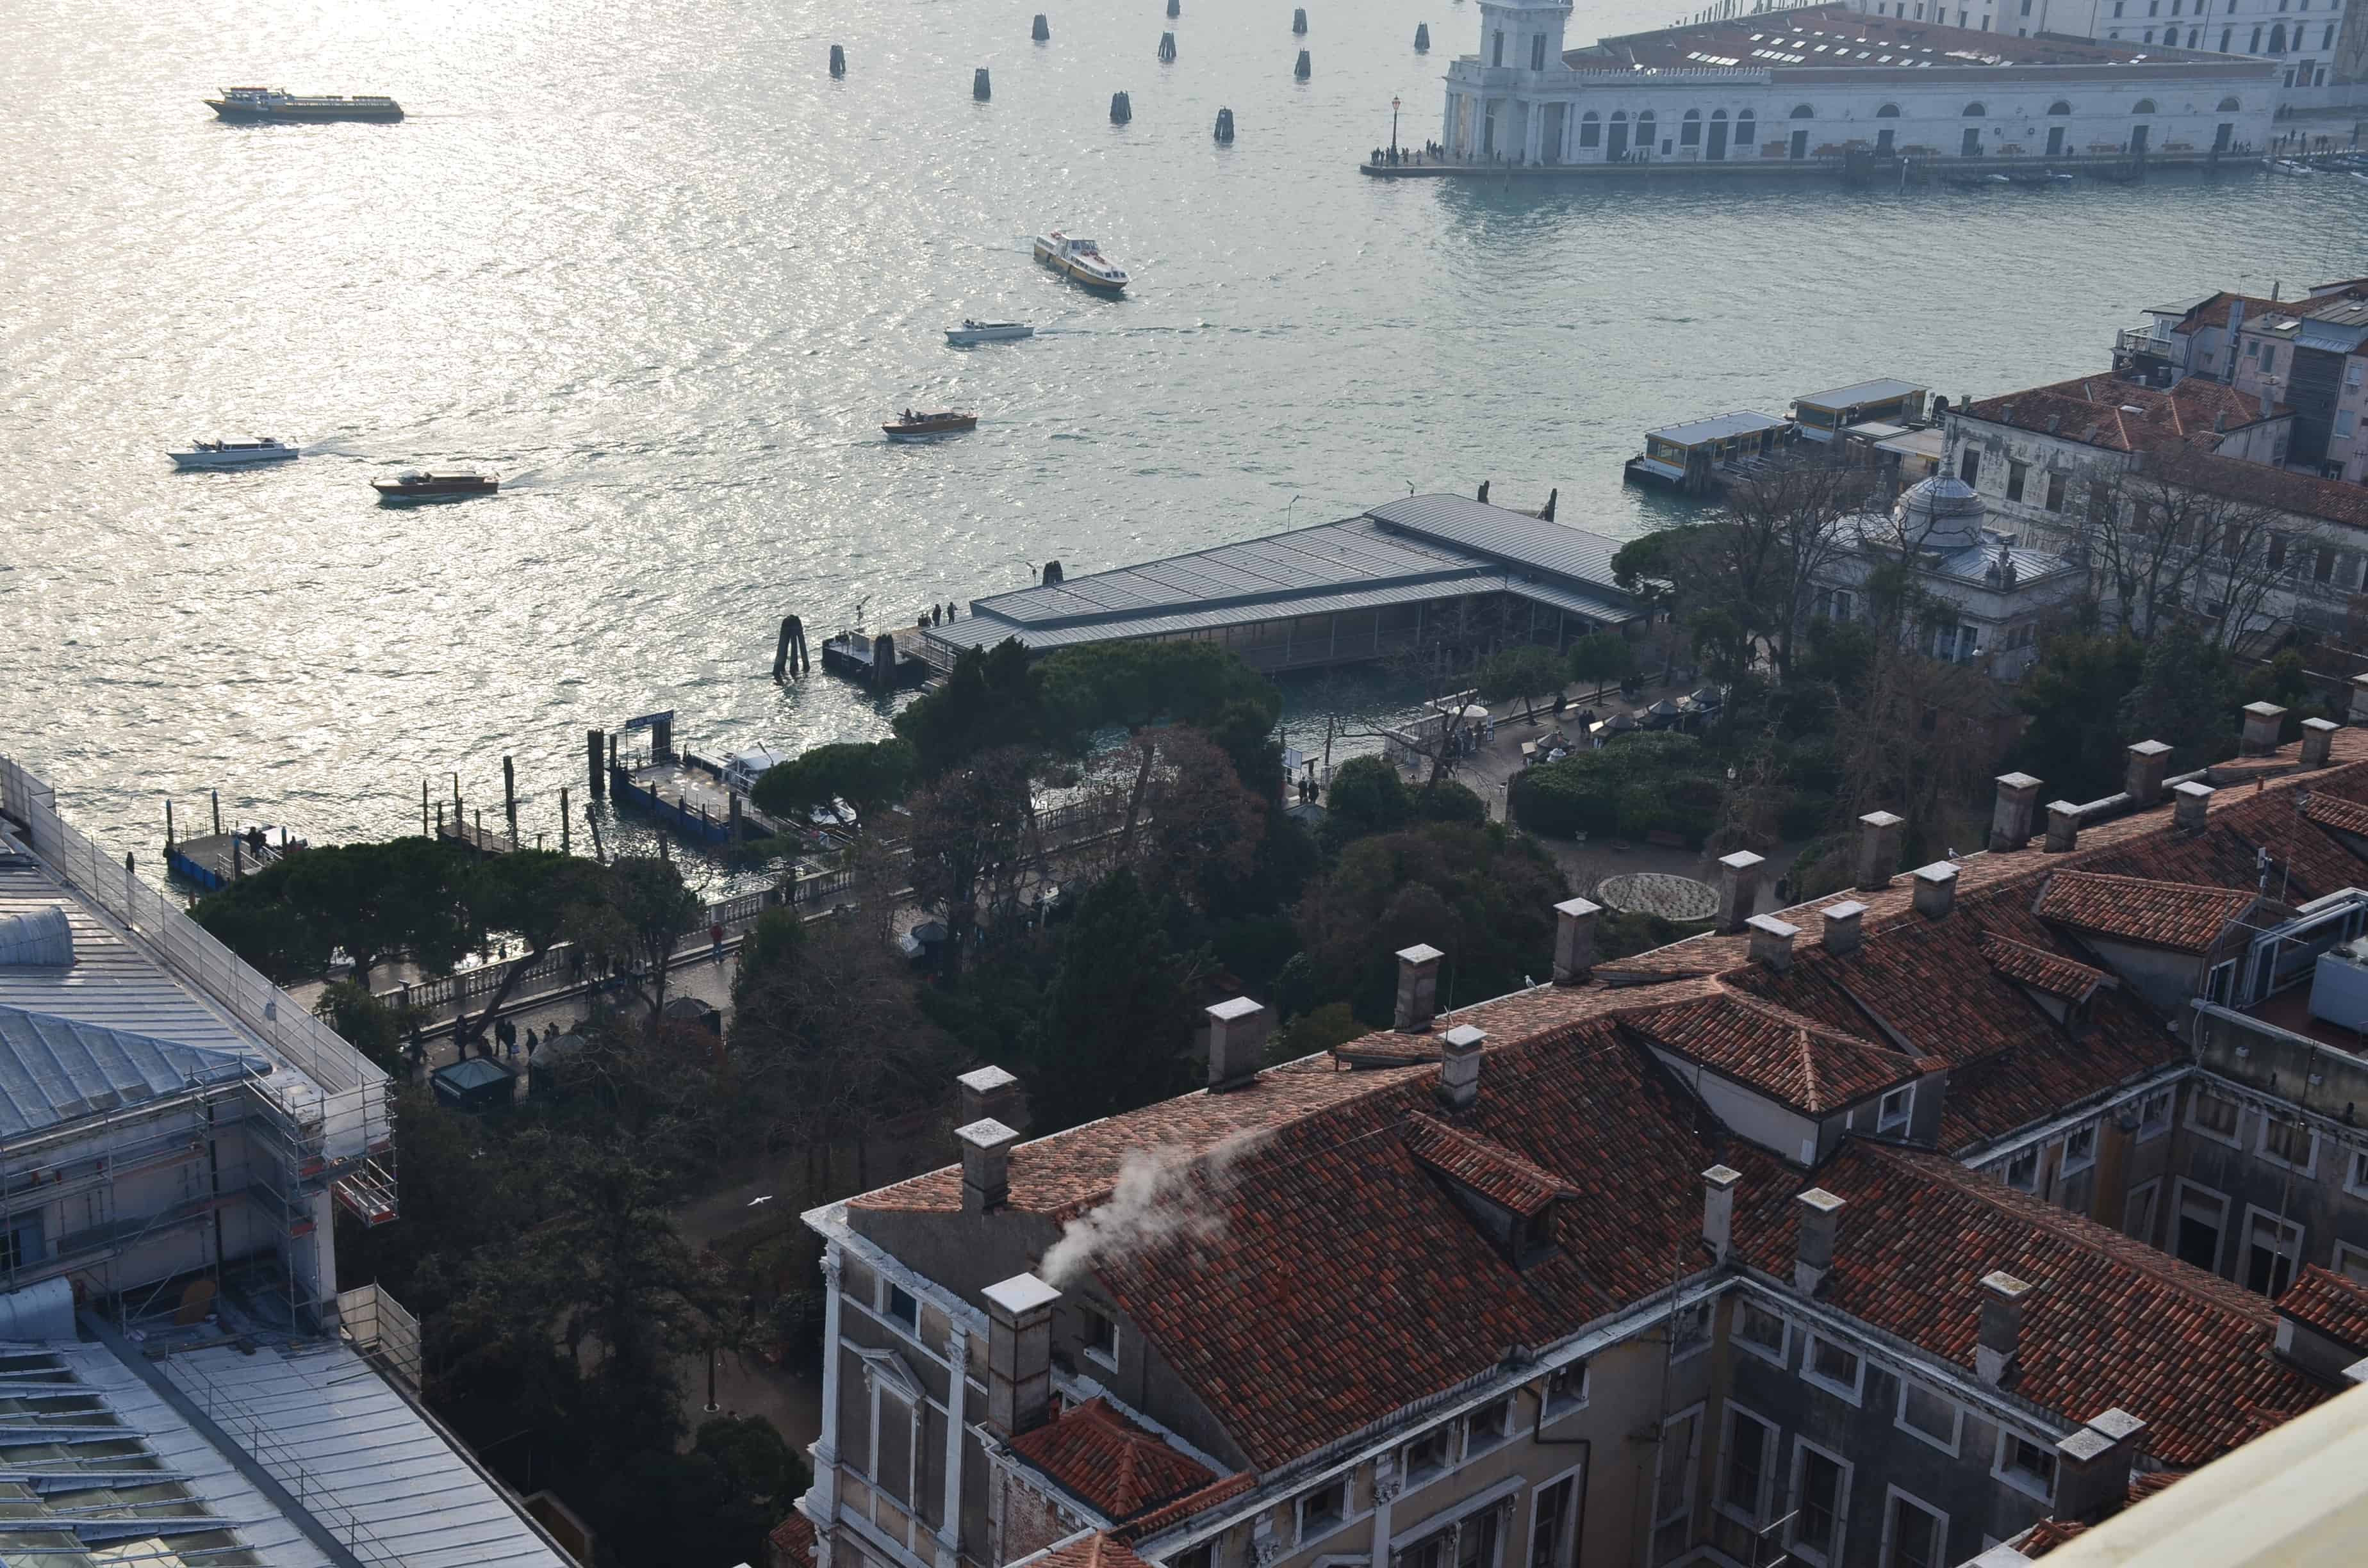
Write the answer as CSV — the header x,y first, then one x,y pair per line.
x,y
1162,1194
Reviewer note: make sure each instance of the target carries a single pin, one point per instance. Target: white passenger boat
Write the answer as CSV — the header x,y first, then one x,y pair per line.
x,y
971,331
234,454
1080,260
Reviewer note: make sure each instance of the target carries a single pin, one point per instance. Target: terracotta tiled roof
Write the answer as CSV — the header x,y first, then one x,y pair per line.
x,y
2214,311
1101,1550
2182,917
1152,1522
2331,1304
2047,1536
2111,1322
2144,1486
1388,1049
791,1542
2259,485
1116,1467
1802,1064
2344,816
2123,417
2040,969
1496,1174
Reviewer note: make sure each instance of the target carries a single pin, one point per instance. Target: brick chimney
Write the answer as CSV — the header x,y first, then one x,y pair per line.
x,y
2000,1336
1771,942
1936,889
2149,762
1574,941
1843,921
1459,1067
1417,988
1018,1354
2092,1467
1878,849
2062,827
1821,1214
1738,887
2358,713
1237,1036
2317,741
987,1164
2262,721
1718,1210
2010,818
2191,806
990,1093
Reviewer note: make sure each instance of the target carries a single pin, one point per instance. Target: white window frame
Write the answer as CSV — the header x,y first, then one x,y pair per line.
x,y
1418,1478
2310,1149
2020,1480
1552,1409
2232,1140
889,1292
1693,1414
2340,1259
1955,1445
2255,1213
1780,1355
2152,1192
1106,1359
1854,1391
1762,1507
1479,1441
1888,1120
1802,1448
1566,1549
2006,1171
2179,1192
1328,1524
2073,1165
2151,1126
1892,1498
2355,1165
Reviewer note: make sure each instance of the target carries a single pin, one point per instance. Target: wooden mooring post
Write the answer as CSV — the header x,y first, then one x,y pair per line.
x,y
509,798
562,820
217,795
423,807
592,821
169,824
596,745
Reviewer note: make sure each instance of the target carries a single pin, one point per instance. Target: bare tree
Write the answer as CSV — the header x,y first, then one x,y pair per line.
x,y
1788,526
1179,810
2175,535
973,835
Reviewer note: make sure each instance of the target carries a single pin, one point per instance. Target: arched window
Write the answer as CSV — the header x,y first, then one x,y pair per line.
x,y
2144,106
2229,106
1619,114
1746,133
1590,129
1689,128
1802,111
1644,128
2059,106
1975,112
2225,34
1888,111
2255,47
1718,114
2278,38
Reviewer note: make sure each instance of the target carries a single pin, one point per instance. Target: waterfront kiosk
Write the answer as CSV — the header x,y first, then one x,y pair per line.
x,y
1685,456
1824,415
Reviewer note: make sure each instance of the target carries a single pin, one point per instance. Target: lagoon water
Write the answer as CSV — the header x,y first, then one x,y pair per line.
x,y
652,265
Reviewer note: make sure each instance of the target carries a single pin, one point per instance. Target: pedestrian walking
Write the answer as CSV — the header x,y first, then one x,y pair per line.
x,y
715,940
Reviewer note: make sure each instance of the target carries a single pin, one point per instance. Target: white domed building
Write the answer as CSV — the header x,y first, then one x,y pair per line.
x,y
1993,591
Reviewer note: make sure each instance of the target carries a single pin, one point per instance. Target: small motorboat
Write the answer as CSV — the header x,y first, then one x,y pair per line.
x,y
416,486
971,331
942,424
2288,166
234,454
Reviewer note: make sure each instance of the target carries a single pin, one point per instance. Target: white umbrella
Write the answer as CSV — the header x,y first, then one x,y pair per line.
x,y
1472,711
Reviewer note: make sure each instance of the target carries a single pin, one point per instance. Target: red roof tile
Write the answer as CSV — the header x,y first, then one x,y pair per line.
x,y
1801,1063
2111,1322
1497,1175
2179,916
1115,1466
2045,1537
791,1542
1157,1520
2331,1304
2124,416
2344,816
1101,1550
2041,970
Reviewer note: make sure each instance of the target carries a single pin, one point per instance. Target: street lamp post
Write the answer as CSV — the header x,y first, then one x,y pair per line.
x,y
1393,129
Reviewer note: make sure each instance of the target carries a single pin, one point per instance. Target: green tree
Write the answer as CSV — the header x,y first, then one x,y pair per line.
x,y
1521,675
649,911
405,897
971,835
1132,685
1367,797
542,899
1601,657
2186,698
853,781
989,700
2072,696
1116,1027
378,1030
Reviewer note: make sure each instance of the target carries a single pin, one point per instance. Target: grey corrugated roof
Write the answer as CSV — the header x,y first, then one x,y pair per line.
x,y
367,1454
1514,539
54,1071
984,631
1718,426
1881,390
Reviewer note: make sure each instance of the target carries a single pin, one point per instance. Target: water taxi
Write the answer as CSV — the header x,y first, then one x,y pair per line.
x,y
944,424
1081,261
234,454
267,104
418,486
971,331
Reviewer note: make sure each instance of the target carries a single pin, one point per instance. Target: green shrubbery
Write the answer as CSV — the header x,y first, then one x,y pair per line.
x,y
1645,784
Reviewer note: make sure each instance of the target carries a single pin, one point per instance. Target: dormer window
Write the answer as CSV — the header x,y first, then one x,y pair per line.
x,y
1322,1510
2080,1149
902,1307
1424,1457
1565,1390
1491,1425
2023,1171
1100,1337
1892,1111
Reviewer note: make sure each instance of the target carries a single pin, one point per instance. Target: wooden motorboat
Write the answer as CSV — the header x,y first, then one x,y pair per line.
x,y
942,424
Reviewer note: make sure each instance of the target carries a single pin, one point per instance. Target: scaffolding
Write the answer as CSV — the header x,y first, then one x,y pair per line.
x,y
316,1116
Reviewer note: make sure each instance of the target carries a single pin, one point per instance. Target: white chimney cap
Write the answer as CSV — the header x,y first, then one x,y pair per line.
x,y
1577,907
1722,1176
2005,1285
2149,749
987,1080
1772,926
988,1133
1421,952
1463,1037
1937,872
2017,780
1020,1293
1741,860
1848,909
1882,819
1239,1008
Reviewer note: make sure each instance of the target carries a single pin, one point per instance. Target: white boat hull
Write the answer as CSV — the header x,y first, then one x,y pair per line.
x,y
1077,271
243,458
963,336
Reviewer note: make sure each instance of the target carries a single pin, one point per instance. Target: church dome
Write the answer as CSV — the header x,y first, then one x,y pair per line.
x,y
1940,512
